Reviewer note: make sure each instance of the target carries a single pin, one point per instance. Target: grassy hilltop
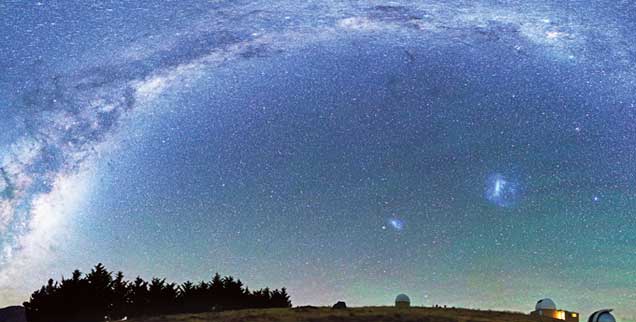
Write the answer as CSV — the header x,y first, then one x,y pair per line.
x,y
363,314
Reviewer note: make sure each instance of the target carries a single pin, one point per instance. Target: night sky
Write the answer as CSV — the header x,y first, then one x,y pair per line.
x,y
474,154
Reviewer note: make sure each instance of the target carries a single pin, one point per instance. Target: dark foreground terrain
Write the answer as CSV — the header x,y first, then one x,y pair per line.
x,y
364,314
12,314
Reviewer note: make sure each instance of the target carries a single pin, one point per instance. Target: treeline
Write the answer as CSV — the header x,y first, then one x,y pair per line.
x,y
100,296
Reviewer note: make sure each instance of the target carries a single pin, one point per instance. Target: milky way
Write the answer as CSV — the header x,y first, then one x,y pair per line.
x,y
277,141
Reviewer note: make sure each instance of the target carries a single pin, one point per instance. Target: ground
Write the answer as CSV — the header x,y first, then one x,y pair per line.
x,y
364,314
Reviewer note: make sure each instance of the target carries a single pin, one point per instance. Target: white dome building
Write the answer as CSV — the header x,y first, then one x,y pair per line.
x,y
402,301
602,316
546,307
545,304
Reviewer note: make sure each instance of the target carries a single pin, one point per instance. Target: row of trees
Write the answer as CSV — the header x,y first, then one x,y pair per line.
x,y
99,295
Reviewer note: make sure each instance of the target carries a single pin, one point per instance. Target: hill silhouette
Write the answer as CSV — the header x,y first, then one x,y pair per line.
x,y
362,314
12,314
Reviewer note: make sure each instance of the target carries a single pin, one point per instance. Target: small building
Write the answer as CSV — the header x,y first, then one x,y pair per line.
x,y
546,307
340,305
402,301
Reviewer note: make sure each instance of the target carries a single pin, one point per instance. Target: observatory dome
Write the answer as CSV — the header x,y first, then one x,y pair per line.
x,y
402,301
602,316
402,298
545,304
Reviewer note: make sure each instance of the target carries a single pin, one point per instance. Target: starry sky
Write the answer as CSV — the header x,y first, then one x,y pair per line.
x,y
468,153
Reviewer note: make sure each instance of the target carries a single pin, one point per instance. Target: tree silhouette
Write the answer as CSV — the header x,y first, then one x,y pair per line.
x,y
121,297
140,297
98,296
